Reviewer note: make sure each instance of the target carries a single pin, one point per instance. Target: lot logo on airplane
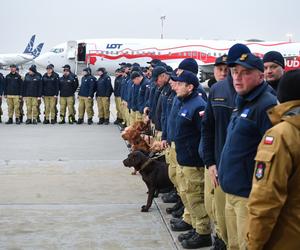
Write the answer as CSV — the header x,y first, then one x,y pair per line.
x,y
114,46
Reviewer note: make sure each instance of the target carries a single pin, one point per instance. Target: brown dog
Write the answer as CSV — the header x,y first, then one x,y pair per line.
x,y
154,173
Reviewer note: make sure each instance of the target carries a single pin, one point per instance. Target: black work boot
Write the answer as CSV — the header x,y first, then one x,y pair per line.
x,y
101,121
106,121
10,121
118,121
178,213
90,121
181,226
175,220
34,121
62,120
197,241
46,121
218,244
79,121
186,236
28,121
18,121
72,119
170,197
178,205
122,125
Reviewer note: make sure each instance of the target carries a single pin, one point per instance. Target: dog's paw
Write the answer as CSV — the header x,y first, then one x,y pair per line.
x,y
144,209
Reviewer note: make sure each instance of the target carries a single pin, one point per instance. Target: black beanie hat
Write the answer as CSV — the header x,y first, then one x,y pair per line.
x,y
289,86
275,57
33,68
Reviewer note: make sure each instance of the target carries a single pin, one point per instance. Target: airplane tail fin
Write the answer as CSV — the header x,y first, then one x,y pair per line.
x,y
29,47
37,51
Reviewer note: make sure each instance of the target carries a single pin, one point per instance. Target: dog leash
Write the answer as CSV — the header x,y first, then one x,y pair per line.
x,y
149,161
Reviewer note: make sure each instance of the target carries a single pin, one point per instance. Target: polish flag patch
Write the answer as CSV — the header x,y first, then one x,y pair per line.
x,y
201,113
269,140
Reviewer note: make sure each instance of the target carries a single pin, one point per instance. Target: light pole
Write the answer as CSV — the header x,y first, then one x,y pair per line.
x,y
289,36
162,18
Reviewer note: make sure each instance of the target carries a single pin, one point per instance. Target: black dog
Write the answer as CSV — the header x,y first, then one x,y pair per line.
x,y
154,173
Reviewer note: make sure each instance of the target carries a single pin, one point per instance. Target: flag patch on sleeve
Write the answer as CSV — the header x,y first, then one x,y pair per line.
x,y
201,113
269,140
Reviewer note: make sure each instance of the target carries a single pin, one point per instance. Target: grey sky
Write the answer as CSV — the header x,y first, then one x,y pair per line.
x,y
57,21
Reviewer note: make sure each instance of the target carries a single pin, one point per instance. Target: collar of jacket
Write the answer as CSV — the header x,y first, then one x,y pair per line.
x,y
288,111
190,96
257,91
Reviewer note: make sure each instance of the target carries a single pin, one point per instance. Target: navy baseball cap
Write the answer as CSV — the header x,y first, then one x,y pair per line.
x,y
135,74
67,66
187,77
235,52
158,70
222,60
154,62
250,61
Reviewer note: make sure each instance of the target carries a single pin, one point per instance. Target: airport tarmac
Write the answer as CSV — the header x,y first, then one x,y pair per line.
x,y
65,187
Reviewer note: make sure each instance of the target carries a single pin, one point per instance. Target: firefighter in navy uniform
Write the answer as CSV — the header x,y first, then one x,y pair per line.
x,y
21,98
187,138
139,79
248,123
68,85
56,109
274,212
32,91
117,94
136,74
50,93
13,92
124,94
39,100
220,105
1,93
274,68
85,96
103,93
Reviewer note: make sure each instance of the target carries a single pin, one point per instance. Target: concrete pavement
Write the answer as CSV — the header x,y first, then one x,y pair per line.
x,y
65,187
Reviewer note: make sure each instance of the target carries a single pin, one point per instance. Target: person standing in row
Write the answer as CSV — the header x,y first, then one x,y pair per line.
x,y
50,93
68,85
85,96
32,91
103,92
13,92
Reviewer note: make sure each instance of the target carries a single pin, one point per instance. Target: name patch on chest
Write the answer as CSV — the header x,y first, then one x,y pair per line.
x,y
245,113
184,113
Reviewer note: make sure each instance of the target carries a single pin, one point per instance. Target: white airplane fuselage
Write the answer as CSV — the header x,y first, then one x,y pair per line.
x,y
8,59
109,53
